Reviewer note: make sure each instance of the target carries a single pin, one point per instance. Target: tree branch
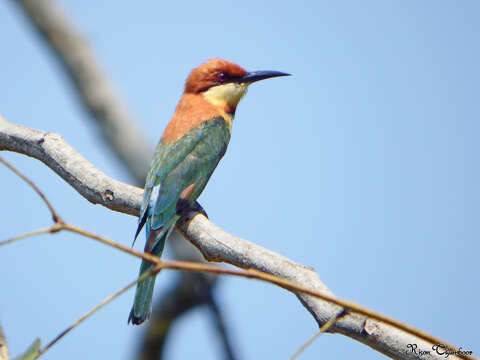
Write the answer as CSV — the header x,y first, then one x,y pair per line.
x,y
72,167
213,242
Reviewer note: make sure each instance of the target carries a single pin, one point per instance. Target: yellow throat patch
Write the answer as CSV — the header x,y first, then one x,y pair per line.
x,y
226,95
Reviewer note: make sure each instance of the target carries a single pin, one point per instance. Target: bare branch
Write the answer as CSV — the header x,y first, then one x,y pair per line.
x,y
90,182
93,310
217,245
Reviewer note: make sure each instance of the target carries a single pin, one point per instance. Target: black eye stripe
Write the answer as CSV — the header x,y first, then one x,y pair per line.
x,y
223,78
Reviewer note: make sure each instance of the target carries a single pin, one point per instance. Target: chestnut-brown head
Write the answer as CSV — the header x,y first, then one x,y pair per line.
x,y
223,83
212,73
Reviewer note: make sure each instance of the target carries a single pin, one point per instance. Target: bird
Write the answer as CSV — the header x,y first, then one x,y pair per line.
x,y
188,152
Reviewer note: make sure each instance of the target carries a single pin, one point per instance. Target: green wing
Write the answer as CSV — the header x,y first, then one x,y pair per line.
x,y
189,160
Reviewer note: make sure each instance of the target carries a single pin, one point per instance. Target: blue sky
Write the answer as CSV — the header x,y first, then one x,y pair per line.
x,y
360,165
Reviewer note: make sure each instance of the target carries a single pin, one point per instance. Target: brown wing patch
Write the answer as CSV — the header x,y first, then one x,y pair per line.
x,y
183,203
188,191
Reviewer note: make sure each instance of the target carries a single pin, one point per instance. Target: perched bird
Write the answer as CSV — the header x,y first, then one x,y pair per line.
x,y
187,154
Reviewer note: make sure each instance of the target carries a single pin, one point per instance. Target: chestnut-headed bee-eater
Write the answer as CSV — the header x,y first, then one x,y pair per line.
x,y
187,154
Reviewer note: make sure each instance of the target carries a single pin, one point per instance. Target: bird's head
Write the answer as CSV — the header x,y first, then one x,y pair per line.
x,y
223,83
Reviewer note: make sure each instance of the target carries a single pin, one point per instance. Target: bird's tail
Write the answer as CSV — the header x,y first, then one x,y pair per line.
x,y
142,305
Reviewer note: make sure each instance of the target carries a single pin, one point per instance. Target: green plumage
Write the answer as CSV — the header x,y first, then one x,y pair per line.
x,y
175,166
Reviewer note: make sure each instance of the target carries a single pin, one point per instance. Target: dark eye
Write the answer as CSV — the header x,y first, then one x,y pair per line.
x,y
221,77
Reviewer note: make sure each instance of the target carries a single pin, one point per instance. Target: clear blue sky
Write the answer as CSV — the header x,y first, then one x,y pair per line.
x,y
360,165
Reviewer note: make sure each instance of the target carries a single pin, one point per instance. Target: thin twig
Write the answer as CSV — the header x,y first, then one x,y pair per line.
x,y
144,256
92,311
28,234
55,216
320,331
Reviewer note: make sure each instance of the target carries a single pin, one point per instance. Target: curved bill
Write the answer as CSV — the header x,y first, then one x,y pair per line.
x,y
260,75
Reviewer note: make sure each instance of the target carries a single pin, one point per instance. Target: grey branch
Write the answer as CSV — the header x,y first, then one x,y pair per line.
x,y
214,243
90,182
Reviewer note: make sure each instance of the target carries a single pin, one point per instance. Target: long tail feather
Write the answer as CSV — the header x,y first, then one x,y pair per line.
x,y
142,305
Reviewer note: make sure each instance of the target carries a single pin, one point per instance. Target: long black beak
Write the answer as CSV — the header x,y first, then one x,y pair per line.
x,y
260,75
